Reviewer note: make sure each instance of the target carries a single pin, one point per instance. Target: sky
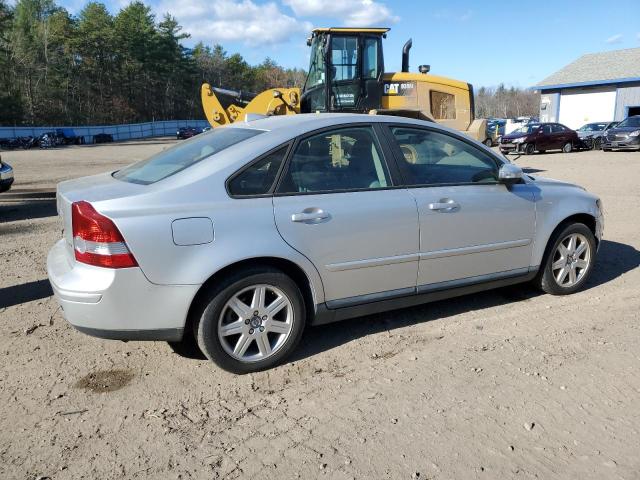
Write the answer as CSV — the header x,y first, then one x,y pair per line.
x,y
485,43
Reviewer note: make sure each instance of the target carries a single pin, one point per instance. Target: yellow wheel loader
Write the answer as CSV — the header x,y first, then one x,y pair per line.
x,y
346,74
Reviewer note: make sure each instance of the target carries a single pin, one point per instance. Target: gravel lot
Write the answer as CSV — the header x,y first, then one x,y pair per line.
x,y
503,384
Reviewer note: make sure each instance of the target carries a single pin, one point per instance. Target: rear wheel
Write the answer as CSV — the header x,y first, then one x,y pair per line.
x,y
568,261
567,147
529,149
252,321
488,142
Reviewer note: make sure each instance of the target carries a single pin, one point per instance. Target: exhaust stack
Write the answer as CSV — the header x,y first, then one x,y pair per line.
x,y
405,55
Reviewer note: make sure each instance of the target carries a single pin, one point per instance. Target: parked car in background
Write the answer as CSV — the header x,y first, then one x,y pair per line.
x,y
68,136
307,233
102,138
624,136
540,137
6,176
495,129
187,132
590,134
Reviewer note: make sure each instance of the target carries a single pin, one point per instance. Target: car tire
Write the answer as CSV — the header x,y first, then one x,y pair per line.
x,y
488,142
244,345
567,147
529,149
561,273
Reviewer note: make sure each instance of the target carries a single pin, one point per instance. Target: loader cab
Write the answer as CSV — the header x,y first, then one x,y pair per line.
x,y
345,71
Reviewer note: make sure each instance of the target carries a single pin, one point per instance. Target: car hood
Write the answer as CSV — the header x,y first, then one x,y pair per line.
x,y
513,136
590,134
623,129
550,181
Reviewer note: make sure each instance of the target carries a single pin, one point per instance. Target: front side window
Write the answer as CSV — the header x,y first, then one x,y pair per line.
x,y
433,158
258,178
337,160
183,155
559,129
443,105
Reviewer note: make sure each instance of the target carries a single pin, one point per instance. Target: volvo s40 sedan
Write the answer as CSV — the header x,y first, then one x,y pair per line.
x,y
238,238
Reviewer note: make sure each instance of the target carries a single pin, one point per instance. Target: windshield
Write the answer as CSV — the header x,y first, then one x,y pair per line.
x,y
592,127
316,67
630,122
181,156
532,127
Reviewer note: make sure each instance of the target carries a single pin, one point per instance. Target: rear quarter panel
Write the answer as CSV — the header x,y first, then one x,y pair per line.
x,y
242,229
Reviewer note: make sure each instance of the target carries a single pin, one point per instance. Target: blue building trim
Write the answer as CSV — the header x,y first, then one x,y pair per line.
x,y
593,83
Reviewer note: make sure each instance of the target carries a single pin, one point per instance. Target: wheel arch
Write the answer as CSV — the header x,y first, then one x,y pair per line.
x,y
584,218
290,268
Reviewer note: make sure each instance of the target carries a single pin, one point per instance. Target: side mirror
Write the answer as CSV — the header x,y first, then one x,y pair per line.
x,y
510,174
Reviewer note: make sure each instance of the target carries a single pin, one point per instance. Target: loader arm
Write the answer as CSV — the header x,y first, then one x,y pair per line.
x,y
275,101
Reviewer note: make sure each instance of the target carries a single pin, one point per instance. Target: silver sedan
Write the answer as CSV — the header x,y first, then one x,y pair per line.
x,y
238,238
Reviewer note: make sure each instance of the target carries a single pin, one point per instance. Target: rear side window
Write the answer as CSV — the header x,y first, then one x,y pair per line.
x,y
184,155
258,178
336,160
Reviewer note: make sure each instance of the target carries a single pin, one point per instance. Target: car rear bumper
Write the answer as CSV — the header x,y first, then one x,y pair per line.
x,y
117,303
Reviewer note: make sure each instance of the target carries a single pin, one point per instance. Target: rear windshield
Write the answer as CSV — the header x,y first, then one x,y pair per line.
x,y
183,155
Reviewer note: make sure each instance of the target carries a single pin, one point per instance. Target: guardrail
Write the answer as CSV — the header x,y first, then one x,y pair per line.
x,y
119,132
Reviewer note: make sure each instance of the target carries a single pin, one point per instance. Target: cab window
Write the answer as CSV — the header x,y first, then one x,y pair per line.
x,y
336,160
344,57
433,158
370,63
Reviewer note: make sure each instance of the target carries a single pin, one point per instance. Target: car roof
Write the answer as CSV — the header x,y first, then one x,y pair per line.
x,y
312,121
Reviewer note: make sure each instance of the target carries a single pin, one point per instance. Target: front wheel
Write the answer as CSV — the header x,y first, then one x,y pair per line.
x,y
488,142
567,147
252,321
568,261
529,149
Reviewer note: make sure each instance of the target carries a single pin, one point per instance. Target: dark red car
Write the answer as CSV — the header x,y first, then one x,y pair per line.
x,y
540,137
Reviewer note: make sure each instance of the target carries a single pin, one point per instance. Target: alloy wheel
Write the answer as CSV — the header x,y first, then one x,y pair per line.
x,y
255,323
571,260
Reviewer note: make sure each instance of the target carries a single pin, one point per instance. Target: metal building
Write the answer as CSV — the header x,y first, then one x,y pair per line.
x,y
597,87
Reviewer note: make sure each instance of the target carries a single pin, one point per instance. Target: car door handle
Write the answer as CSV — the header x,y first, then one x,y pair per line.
x,y
444,205
310,215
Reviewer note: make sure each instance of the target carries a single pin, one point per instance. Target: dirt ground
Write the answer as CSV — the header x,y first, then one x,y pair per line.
x,y
503,384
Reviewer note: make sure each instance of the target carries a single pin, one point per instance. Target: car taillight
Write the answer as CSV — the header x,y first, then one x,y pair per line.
x,y
96,239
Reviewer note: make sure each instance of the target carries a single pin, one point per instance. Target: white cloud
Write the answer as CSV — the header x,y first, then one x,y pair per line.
x,y
353,13
234,21
617,38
